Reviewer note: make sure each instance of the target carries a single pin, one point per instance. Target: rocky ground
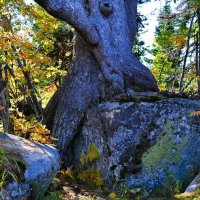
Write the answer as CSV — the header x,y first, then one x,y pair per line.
x,y
82,192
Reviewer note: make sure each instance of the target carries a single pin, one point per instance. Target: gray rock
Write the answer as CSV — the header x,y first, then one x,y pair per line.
x,y
42,163
143,144
194,185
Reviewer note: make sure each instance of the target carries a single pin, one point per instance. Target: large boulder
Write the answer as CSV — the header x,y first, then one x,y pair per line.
x,y
42,162
145,144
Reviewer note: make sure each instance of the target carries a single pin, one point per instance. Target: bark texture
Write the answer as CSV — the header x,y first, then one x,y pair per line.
x,y
103,63
4,106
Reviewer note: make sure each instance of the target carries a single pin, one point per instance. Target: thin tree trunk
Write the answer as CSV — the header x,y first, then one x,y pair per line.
x,y
160,74
31,100
187,85
35,104
186,54
4,106
176,71
198,52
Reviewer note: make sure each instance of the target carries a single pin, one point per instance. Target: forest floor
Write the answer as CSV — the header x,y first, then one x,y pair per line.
x,y
75,191
81,192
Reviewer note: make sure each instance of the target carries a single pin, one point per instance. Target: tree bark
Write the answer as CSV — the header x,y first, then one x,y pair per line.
x,y
103,65
82,89
4,106
186,54
198,52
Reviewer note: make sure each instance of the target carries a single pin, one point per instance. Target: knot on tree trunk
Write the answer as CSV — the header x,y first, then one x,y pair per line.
x,y
106,8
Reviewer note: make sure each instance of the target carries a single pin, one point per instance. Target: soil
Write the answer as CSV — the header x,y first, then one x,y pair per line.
x,y
81,192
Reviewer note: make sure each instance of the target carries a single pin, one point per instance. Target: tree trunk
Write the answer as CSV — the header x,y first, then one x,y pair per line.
x,y
103,64
83,88
198,52
4,106
186,54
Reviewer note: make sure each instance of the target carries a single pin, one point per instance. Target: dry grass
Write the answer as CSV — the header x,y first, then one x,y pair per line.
x,y
188,196
11,166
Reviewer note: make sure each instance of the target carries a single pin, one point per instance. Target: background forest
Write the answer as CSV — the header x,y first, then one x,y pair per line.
x,y
36,52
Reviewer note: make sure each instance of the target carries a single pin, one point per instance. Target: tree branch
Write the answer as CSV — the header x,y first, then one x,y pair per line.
x,y
72,12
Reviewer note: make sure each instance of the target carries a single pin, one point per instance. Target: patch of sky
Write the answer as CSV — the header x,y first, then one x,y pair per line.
x,y
151,11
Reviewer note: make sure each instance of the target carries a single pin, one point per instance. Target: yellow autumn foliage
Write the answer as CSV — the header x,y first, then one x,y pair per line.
x,y
68,173
179,40
37,131
112,196
91,177
91,155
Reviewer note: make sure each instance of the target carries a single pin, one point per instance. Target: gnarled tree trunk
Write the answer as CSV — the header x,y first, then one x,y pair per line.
x,y
103,65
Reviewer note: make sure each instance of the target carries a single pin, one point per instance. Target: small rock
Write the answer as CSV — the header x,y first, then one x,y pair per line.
x,y
194,185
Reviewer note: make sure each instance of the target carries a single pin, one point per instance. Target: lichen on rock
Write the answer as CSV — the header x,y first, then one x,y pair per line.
x,y
143,144
167,150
